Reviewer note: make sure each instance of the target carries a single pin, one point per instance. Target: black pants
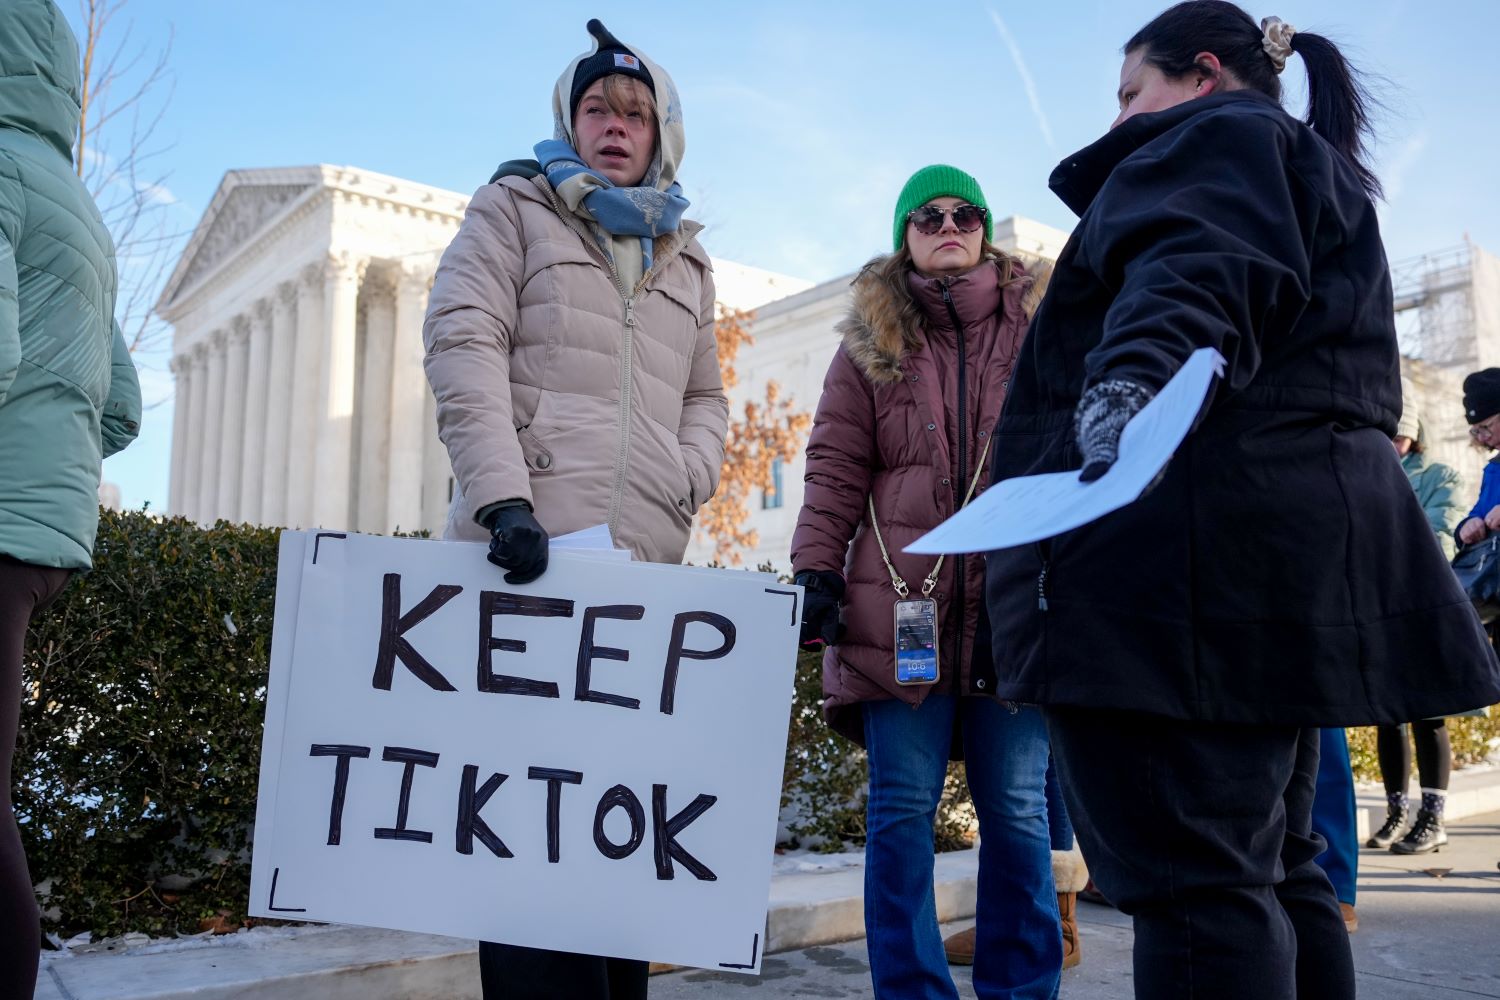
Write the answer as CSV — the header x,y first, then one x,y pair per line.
x,y
24,589
510,972
1202,833
1434,755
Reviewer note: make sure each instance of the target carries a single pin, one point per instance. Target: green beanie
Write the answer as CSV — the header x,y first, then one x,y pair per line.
x,y
939,181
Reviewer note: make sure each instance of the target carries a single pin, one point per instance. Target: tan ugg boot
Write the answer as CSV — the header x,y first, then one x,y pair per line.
x,y
1071,875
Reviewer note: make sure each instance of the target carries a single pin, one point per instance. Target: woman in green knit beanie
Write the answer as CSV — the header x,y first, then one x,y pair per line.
x,y
900,442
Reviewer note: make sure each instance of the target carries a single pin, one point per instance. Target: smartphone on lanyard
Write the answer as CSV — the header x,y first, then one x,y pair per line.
x,y
916,641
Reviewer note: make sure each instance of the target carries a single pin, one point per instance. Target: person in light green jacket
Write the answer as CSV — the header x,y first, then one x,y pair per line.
x,y
68,390
1438,488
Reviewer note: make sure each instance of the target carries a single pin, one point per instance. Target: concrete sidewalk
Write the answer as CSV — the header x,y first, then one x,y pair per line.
x,y
810,913
1421,937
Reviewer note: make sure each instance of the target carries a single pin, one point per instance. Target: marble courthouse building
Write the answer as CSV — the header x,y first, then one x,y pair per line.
x,y
297,311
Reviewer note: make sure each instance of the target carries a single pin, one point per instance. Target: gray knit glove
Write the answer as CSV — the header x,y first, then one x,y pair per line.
x,y
1102,414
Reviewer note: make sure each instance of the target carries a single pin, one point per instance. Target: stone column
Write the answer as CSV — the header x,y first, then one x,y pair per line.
x,y
437,472
307,362
197,416
213,412
232,431
409,392
335,413
273,498
373,419
253,457
182,371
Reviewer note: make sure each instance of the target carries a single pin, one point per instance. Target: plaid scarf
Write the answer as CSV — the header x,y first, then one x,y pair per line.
x,y
642,211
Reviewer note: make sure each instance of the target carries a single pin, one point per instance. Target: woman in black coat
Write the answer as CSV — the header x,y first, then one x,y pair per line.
x,y
1279,576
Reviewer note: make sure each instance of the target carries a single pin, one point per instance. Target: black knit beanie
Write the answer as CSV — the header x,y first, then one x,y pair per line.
x,y
1482,395
612,57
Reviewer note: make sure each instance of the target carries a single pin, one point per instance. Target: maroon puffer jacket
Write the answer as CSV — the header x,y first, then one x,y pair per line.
x,y
889,425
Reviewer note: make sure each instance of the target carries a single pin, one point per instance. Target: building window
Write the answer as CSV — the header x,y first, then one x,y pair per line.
x,y
772,499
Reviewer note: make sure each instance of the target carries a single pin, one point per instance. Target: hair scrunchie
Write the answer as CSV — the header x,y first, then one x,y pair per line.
x,y
1277,41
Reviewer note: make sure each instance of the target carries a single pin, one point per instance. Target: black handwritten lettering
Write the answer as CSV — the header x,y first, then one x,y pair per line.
x,y
393,628
554,777
587,653
664,833
344,753
492,603
676,652
470,825
410,758
622,798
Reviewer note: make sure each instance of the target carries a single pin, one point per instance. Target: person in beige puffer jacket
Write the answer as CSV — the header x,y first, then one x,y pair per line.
x,y
577,384
570,346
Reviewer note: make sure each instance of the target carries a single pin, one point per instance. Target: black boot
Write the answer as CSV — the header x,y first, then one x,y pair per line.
x,y
1395,819
1425,836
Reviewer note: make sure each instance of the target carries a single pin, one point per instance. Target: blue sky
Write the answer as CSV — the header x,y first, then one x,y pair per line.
x,y
803,119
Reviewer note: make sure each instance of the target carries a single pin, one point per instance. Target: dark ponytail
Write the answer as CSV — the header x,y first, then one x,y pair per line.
x,y
1338,106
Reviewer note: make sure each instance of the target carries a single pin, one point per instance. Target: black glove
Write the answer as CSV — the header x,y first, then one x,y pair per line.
x,y
820,606
517,543
1102,414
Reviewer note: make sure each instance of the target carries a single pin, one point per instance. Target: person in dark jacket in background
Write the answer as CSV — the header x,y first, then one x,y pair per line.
x,y
1278,578
69,395
1482,409
898,444
1437,488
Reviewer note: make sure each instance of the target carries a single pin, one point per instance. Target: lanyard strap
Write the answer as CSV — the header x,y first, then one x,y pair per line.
x,y
930,582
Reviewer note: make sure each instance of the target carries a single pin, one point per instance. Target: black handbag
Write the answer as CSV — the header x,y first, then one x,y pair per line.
x,y
1477,567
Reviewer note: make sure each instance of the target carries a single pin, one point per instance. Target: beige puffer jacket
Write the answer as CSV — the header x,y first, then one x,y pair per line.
x,y
555,387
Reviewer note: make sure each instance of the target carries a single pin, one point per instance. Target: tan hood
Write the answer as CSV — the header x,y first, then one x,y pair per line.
x,y
672,140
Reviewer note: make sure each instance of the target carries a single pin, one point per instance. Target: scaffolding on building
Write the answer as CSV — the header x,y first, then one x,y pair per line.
x,y
1448,323
1438,288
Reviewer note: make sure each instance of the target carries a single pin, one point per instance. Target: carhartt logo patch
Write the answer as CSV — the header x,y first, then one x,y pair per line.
x,y
624,60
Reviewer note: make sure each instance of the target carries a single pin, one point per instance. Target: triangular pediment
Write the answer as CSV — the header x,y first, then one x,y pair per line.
x,y
244,212
247,201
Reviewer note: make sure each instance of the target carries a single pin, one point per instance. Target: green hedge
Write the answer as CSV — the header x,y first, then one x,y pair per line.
x,y
136,774
137,765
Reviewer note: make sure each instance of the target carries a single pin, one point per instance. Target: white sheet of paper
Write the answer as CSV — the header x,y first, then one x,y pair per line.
x,y
1029,508
593,539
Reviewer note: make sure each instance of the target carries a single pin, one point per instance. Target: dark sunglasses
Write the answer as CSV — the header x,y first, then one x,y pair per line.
x,y
929,218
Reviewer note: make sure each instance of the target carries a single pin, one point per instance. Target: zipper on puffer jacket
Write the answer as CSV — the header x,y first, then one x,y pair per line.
x,y
960,603
627,358
626,377
1044,553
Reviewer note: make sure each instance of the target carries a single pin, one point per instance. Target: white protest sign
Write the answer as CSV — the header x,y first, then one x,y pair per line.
x,y
591,762
1027,509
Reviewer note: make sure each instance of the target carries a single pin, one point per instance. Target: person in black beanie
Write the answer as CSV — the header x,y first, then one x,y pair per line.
x,y
1482,410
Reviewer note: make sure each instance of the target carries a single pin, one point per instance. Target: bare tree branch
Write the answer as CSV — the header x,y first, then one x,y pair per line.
x,y
126,91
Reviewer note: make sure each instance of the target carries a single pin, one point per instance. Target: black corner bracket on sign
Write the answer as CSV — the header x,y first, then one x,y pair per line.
x,y
271,903
754,954
318,540
770,590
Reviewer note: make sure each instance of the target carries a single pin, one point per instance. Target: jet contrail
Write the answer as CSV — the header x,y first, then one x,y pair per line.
x,y
1026,80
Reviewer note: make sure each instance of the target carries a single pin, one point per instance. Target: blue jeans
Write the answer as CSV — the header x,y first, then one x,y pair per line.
x,y
1059,827
1333,814
1018,950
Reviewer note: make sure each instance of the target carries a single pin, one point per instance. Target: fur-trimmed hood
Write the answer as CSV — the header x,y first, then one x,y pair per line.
x,y
882,324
